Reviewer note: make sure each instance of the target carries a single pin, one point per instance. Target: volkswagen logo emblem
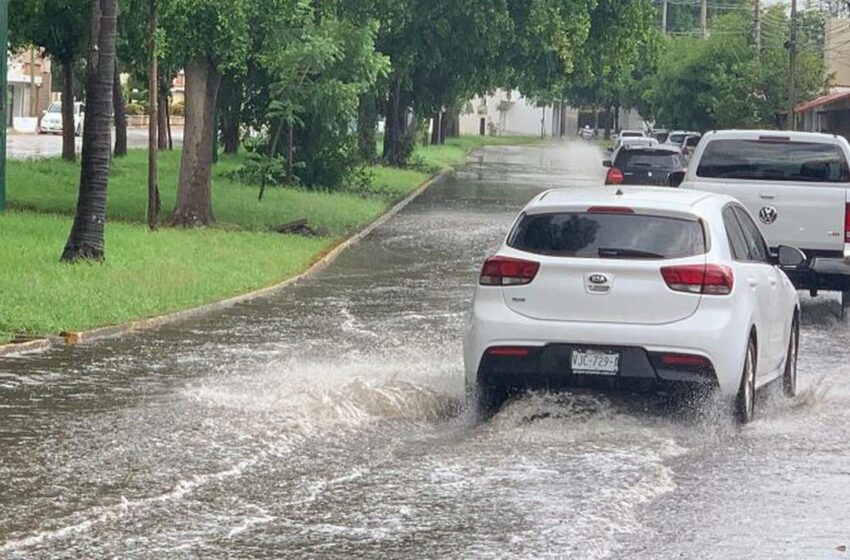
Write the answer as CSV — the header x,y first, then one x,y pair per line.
x,y
768,215
598,279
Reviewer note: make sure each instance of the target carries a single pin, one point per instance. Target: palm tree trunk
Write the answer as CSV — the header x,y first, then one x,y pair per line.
x,y
194,192
69,148
86,241
120,115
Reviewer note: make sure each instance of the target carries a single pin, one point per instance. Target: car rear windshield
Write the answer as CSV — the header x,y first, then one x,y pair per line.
x,y
774,161
614,236
647,159
676,138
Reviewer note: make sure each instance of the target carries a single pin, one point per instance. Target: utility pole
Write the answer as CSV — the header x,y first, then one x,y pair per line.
x,y
757,8
703,18
4,40
664,16
792,67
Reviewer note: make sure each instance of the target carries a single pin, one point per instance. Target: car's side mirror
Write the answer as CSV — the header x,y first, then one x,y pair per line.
x,y
607,163
790,257
676,178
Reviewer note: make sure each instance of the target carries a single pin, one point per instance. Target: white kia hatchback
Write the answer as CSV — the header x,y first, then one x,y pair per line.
x,y
638,287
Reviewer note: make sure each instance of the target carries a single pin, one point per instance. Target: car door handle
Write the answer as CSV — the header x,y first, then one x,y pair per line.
x,y
767,196
752,282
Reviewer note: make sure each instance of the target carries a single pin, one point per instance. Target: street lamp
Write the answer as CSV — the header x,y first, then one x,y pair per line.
x,y
4,96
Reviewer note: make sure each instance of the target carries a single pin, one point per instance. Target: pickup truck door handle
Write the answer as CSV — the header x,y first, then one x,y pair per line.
x,y
767,196
752,282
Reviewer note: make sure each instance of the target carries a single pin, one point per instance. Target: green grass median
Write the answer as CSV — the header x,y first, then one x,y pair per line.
x,y
148,274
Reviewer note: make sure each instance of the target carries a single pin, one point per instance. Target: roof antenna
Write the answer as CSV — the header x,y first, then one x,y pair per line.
x,y
619,192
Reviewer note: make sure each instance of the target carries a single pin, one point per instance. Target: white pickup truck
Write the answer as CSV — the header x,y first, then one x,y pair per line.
x,y
798,186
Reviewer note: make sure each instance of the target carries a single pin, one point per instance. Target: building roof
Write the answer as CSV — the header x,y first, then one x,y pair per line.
x,y
838,94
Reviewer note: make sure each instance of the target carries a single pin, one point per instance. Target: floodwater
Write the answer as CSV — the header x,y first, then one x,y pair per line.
x,y
328,421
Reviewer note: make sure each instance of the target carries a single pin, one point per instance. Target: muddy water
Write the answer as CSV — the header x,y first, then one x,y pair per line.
x,y
328,421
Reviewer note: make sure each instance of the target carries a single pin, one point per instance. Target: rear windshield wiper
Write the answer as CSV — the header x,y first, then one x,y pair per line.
x,y
610,252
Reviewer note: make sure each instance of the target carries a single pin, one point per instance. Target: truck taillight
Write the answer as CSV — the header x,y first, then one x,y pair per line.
x,y
847,223
707,279
507,271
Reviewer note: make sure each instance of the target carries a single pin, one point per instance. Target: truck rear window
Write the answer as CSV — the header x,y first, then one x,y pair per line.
x,y
615,236
808,162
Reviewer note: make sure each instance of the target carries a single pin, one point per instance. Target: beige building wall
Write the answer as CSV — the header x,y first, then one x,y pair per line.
x,y
837,50
29,84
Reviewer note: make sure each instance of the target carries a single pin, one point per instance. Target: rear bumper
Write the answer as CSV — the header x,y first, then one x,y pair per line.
x,y
712,332
828,274
550,367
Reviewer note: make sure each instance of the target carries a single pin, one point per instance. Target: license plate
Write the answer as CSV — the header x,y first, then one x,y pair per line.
x,y
595,363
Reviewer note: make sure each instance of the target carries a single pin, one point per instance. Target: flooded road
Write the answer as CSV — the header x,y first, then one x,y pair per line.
x,y
328,421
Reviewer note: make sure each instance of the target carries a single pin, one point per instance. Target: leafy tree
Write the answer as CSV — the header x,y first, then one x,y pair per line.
x,y
61,28
209,37
86,240
719,82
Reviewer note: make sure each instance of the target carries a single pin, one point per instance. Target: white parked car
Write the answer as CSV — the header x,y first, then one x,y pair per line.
x,y
676,137
644,288
51,120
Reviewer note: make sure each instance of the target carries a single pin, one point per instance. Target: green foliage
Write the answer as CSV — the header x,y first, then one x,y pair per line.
x,y
145,274
719,83
60,27
209,30
135,109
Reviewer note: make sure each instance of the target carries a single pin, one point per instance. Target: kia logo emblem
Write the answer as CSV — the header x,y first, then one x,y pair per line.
x,y
598,279
768,215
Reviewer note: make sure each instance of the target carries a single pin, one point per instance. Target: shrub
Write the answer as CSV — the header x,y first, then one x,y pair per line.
x,y
134,109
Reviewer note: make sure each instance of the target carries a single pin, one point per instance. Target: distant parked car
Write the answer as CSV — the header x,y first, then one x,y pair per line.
x,y
632,141
661,166
51,120
632,134
689,144
676,137
660,134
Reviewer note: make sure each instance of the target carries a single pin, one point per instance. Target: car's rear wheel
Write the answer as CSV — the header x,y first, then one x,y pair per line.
x,y
789,377
491,396
745,403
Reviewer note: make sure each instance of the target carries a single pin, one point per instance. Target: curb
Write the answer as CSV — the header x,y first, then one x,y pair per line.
x,y
72,338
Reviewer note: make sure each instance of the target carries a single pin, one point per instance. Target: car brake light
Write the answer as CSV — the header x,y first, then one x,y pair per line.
x,y
708,279
610,210
847,223
507,271
683,360
509,351
614,177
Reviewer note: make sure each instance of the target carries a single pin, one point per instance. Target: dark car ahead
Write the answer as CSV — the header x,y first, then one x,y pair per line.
x,y
654,165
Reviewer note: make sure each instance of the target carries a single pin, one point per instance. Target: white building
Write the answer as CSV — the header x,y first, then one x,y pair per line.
x,y
507,112
28,89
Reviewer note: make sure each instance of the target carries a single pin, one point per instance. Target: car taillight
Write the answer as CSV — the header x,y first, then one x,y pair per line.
x,y
847,223
509,351
709,279
690,360
507,271
614,177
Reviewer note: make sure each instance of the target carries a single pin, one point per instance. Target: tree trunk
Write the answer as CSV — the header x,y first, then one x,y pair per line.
x,y
436,128
607,122
367,124
444,127
230,112
69,149
393,133
120,114
153,124
86,240
194,192
451,126
162,115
